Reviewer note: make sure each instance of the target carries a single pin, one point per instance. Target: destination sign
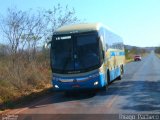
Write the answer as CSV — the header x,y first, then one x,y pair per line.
x,y
63,38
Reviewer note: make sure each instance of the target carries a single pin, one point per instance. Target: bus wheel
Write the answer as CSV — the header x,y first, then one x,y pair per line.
x,y
108,77
103,88
122,69
121,73
68,93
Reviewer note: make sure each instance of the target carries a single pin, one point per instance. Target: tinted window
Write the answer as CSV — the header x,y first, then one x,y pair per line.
x,y
75,53
87,51
62,54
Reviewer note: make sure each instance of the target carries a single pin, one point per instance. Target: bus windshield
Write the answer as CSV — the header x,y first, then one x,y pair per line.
x,y
76,53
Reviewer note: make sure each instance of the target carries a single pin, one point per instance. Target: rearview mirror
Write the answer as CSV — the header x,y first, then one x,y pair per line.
x,y
47,44
103,54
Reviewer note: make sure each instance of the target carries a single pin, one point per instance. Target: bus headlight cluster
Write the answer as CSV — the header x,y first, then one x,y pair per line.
x,y
96,83
56,86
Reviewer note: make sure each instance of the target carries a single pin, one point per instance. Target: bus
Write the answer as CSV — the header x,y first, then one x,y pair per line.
x,y
85,56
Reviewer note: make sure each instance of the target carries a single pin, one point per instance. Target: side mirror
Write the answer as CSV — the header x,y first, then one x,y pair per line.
x,y
103,54
47,45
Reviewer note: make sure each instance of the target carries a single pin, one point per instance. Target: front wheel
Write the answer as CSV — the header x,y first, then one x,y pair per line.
x,y
104,88
108,77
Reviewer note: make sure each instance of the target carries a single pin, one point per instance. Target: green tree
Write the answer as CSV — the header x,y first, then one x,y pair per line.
x,y
157,50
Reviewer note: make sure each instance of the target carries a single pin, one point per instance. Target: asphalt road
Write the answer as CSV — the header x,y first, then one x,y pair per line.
x,y
137,92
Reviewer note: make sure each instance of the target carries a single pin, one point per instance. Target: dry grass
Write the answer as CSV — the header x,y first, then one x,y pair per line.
x,y
22,79
129,60
145,54
158,55
130,56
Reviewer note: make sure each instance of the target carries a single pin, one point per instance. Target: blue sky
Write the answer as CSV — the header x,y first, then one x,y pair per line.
x,y
136,21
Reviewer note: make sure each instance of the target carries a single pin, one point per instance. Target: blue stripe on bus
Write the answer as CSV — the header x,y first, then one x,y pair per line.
x,y
121,53
112,53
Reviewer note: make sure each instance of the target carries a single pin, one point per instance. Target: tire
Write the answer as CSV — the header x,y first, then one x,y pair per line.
x,y
122,69
119,77
108,77
68,93
121,73
103,88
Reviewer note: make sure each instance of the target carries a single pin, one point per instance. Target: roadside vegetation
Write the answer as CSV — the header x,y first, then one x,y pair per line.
x,y
131,51
157,51
24,63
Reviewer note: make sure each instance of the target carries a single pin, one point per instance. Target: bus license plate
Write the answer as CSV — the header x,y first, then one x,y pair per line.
x,y
76,86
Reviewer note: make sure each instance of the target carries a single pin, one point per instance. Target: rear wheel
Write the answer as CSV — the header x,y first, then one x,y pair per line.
x,y
68,93
108,77
122,70
121,73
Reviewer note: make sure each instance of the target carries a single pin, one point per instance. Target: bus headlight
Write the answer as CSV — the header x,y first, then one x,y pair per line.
x,y
96,83
56,86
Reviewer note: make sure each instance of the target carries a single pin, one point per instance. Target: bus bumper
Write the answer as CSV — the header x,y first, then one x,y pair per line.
x,y
89,84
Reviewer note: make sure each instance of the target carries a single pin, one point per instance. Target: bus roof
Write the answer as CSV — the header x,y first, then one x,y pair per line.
x,y
76,28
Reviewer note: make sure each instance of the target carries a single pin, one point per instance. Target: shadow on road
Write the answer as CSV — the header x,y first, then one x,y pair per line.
x,y
49,97
140,95
59,97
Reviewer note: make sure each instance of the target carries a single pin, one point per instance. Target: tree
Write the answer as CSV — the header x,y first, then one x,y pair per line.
x,y
3,50
13,27
157,50
58,17
23,31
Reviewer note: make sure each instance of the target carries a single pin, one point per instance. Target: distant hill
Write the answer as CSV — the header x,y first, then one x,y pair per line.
x,y
129,47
